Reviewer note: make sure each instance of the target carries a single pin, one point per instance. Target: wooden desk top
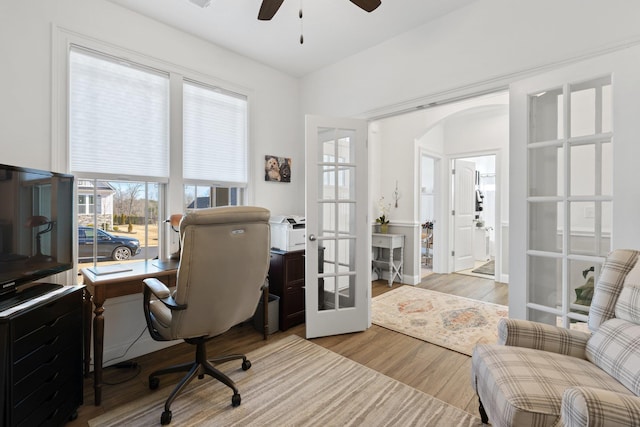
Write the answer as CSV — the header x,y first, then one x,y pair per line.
x,y
131,271
128,281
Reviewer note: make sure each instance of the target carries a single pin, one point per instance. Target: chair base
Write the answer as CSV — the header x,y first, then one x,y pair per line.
x,y
201,367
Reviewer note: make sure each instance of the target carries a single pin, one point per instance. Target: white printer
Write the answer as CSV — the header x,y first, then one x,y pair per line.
x,y
287,232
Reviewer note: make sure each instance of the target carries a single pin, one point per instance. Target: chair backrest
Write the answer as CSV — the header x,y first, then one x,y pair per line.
x,y
614,318
223,266
611,282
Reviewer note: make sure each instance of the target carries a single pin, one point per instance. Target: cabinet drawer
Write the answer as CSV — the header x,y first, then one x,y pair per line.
x,y
45,339
380,242
39,385
294,268
293,301
34,319
52,406
387,241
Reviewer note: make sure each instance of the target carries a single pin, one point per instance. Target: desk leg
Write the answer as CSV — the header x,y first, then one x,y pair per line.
x,y
98,347
87,332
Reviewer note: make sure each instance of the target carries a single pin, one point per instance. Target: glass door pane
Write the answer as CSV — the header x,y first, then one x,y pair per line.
x,y
545,114
569,197
336,218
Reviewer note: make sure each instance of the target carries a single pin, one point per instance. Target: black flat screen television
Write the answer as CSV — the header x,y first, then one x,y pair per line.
x,y
36,225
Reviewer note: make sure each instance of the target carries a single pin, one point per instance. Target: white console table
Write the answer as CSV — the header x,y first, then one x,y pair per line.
x,y
393,243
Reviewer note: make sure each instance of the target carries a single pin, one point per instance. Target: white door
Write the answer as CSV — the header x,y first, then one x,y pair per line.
x,y
464,210
338,248
574,160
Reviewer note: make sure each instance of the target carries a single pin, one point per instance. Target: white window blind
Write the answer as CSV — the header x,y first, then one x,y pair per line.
x,y
118,117
215,135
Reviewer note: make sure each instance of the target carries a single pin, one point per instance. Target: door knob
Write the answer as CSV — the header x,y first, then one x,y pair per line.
x,y
312,237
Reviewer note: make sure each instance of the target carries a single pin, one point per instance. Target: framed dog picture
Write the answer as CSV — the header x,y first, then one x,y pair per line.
x,y
277,169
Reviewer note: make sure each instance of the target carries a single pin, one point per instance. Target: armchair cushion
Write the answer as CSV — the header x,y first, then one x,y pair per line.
x,y
540,336
628,306
583,406
522,386
615,348
612,276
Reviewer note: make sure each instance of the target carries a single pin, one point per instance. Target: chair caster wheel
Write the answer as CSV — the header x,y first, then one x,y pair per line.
x,y
165,418
246,364
154,383
235,400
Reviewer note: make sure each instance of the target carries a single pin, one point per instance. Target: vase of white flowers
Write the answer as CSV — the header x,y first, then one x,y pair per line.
x,y
383,219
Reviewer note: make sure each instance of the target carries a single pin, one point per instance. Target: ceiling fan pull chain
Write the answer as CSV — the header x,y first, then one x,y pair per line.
x,y
301,24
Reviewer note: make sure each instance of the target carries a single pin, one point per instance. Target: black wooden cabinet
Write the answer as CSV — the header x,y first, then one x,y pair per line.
x,y
286,279
41,361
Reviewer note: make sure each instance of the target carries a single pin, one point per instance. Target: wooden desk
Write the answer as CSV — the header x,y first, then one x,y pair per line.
x,y
114,285
391,242
123,283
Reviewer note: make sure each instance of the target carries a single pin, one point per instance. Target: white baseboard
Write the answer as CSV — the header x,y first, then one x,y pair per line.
x,y
406,279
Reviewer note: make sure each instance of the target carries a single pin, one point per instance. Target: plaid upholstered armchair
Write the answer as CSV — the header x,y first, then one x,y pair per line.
x,y
541,375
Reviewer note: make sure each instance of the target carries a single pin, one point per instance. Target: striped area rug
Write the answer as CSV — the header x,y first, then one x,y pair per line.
x,y
293,382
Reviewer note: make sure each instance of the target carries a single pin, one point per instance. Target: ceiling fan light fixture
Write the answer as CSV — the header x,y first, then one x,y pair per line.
x,y
201,3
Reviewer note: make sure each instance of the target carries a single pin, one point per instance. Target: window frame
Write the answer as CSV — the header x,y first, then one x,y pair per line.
x,y
174,192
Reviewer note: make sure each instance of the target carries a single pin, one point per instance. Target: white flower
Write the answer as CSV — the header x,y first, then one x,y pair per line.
x,y
384,211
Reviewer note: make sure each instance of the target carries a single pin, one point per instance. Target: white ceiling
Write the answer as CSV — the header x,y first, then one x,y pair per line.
x,y
333,29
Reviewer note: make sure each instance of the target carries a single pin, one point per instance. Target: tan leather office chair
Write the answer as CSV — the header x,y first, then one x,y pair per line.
x,y
223,266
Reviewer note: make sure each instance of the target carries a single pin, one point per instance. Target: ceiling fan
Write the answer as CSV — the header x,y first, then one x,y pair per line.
x,y
269,7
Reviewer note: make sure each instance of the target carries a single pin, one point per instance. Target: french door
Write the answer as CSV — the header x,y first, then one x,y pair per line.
x,y
569,133
338,247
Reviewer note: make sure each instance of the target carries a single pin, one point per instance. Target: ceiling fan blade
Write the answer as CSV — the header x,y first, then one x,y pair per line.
x,y
368,5
268,9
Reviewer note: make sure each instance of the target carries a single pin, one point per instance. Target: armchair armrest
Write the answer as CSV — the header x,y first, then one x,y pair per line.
x,y
161,292
540,336
583,406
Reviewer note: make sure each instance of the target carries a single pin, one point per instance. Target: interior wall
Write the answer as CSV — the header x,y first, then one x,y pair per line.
x,y
475,47
28,118
27,32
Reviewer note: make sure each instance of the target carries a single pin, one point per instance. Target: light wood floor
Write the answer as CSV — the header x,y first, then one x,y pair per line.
x,y
435,370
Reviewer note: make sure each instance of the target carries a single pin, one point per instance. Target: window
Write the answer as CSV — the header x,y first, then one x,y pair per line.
x,y
214,146
85,204
119,145
198,196
118,126
118,117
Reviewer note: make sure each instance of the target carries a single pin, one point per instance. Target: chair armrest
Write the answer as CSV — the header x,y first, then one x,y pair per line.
x,y
584,406
540,336
161,292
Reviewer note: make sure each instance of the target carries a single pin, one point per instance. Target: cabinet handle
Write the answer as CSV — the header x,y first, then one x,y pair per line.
x,y
52,378
54,413
53,340
51,360
53,396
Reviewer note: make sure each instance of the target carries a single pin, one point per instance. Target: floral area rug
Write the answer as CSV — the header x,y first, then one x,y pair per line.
x,y
449,321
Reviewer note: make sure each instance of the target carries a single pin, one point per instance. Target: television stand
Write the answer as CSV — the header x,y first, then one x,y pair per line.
x,y
12,299
41,362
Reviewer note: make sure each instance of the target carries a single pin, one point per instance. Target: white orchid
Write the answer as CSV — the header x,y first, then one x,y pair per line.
x,y
384,211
